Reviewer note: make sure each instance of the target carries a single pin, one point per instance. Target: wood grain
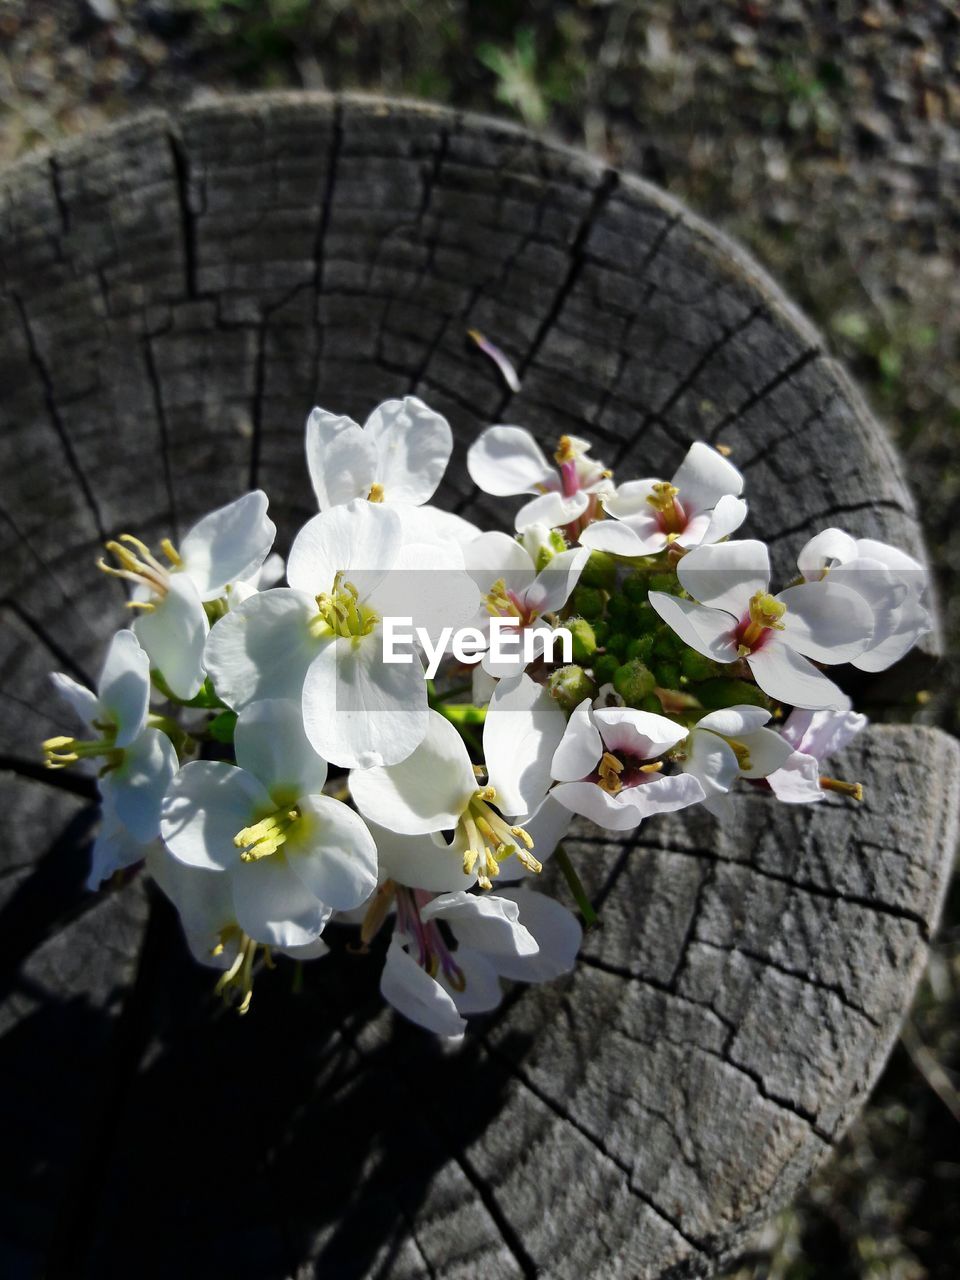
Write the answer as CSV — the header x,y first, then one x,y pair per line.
x,y
174,295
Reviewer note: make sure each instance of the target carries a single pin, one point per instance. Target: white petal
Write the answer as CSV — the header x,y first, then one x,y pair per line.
x,y
272,904
664,794
485,922
206,805
359,711
629,807
174,635
629,500
554,584
789,677
829,547
341,460
798,781
581,747
413,446
496,555
725,518
428,585
481,986
825,621
124,687
85,703
507,460
428,791
552,509
546,829
768,751
270,743
138,785
114,848
359,539
263,648
331,851
709,631
202,897
641,734
704,477
624,539
423,861
556,930
733,722
726,575
821,733
414,993
228,545
523,729
712,761
431,524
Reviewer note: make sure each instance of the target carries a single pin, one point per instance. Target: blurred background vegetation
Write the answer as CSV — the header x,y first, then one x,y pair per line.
x,y
826,137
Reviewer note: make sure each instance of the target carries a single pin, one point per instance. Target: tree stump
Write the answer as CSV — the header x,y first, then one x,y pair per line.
x,y
175,294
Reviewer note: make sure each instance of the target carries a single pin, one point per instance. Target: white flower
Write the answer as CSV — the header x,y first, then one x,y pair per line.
x,y
506,575
398,455
204,902
732,615
732,743
290,853
516,934
891,582
228,545
138,761
436,788
609,769
507,460
359,710
701,504
812,737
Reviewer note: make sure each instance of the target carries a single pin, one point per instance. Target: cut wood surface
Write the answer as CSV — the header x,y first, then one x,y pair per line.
x,y
174,295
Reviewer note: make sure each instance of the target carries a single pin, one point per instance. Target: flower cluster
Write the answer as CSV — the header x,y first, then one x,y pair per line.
x,y
285,776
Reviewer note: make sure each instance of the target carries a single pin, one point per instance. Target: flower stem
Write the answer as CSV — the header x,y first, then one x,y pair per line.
x,y
575,884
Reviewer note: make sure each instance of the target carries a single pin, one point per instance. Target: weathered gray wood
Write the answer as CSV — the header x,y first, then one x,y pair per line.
x,y
174,295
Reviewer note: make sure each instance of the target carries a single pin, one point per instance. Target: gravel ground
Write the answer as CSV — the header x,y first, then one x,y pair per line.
x,y
825,136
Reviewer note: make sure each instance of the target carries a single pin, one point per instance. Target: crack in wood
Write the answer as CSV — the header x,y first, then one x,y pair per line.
x,y
53,411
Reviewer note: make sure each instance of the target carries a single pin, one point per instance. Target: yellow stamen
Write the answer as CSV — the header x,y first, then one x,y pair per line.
x,y
566,450
609,770
663,499
490,840
341,612
765,615
266,836
61,751
852,789
376,493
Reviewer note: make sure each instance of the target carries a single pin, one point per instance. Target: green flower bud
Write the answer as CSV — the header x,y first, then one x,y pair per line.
x,y
668,675
644,618
599,571
651,703
605,668
641,647
620,612
617,644
589,601
635,588
584,640
634,682
665,582
725,692
601,629
696,667
569,686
